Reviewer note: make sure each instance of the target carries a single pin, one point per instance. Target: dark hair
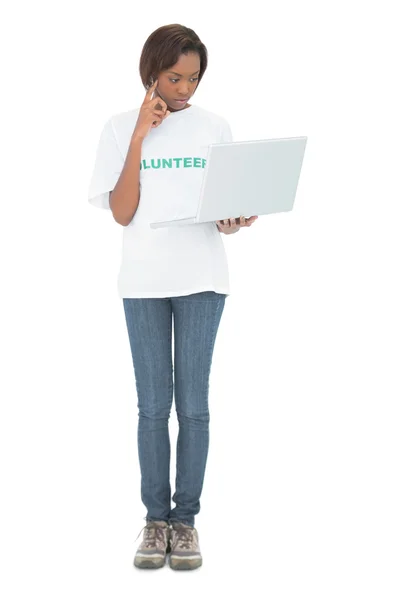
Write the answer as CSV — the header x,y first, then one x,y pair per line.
x,y
163,48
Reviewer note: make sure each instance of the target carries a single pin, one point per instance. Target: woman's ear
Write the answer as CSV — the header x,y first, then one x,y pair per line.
x,y
151,81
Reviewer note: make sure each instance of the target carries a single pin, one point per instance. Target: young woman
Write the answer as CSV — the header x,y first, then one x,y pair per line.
x,y
149,167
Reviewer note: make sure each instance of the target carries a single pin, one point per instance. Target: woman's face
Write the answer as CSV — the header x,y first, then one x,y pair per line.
x,y
179,81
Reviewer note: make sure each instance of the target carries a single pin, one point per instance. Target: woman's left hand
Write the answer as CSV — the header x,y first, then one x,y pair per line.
x,y
234,224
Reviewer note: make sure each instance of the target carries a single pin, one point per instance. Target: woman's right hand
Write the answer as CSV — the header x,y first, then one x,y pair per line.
x,y
150,117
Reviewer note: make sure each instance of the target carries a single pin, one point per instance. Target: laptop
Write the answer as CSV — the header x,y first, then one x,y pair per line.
x,y
256,177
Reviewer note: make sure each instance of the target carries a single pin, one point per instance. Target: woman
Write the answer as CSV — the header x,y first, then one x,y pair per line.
x,y
156,154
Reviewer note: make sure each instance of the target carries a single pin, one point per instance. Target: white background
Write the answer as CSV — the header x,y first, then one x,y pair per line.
x,y
301,495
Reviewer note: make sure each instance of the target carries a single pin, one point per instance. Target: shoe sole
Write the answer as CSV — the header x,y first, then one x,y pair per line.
x,y
148,564
185,564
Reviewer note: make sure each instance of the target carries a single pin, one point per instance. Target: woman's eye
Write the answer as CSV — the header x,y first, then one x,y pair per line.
x,y
193,79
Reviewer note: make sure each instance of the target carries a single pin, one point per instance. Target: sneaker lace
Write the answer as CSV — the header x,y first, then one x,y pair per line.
x,y
184,537
152,533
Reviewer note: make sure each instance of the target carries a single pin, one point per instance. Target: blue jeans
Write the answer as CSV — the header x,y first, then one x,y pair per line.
x,y
196,318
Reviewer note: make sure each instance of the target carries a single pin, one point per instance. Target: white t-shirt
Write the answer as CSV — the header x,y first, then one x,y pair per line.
x,y
169,261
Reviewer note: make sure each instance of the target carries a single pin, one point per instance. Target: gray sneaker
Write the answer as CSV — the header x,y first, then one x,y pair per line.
x,y
153,549
185,549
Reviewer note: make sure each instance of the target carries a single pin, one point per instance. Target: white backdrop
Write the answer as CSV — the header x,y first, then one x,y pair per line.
x,y
301,492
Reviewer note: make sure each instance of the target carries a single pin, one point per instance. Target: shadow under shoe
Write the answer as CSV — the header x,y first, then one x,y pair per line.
x,y
153,549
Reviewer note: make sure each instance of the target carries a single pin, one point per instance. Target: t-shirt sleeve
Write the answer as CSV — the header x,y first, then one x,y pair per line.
x,y
226,133
108,165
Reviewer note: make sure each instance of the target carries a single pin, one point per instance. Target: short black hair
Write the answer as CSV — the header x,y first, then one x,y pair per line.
x,y
163,48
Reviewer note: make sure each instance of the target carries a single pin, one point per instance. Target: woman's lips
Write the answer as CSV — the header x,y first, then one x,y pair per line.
x,y
183,100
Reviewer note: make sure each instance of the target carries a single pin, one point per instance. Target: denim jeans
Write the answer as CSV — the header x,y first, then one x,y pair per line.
x,y
196,318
